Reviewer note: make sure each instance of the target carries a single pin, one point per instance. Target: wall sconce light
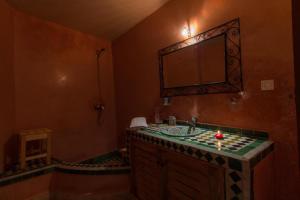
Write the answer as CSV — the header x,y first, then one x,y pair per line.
x,y
188,31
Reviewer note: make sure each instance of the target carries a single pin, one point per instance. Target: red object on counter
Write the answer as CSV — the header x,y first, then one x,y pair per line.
x,y
219,135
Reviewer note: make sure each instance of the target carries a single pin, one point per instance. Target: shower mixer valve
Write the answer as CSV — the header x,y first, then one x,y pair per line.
x,y
99,107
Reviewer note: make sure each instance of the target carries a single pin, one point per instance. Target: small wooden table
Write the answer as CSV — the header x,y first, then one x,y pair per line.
x,y
42,148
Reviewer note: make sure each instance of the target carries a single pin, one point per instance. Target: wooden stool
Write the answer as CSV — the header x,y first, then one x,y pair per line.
x,y
42,139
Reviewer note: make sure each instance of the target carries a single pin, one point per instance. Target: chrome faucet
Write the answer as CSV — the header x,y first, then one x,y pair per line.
x,y
192,124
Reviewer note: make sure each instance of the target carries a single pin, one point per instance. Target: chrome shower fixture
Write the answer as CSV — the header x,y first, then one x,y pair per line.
x,y
99,52
99,105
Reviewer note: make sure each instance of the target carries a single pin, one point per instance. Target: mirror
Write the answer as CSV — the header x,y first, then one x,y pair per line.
x,y
207,63
202,63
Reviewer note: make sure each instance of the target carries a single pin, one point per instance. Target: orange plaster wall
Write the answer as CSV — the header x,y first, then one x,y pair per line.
x,y
267,53
55,81
6,80
48,79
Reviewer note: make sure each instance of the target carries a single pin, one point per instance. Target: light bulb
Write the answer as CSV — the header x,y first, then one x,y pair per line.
x,y
186,32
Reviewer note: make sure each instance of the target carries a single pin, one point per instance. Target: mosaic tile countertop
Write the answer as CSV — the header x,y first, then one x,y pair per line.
x,y
237,144
238,153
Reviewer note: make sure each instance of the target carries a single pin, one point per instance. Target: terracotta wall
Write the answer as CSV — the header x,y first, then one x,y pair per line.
x,y
55,80
36,186
48,79
267,53
6,79
51,72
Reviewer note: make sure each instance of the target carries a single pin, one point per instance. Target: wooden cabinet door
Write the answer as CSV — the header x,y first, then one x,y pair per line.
x,y
146,171
187,178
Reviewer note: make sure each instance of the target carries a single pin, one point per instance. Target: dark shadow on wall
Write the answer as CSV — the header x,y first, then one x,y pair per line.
x,y
11,153
296,43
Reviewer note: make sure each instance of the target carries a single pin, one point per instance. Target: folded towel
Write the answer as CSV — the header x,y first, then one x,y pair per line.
x,y
138,122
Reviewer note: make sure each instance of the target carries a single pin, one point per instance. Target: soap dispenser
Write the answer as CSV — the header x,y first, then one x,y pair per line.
x,y
172,121
157,116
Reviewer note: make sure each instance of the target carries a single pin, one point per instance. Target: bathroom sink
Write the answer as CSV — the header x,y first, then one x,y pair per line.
x,y
179,130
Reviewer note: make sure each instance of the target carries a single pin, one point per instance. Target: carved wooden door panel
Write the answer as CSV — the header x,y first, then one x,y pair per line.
x,y
146,171
186,178
158,174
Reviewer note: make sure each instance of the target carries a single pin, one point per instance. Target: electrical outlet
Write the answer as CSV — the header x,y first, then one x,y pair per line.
x,y
267,85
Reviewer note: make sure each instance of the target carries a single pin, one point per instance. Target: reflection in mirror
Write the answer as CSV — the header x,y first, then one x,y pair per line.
x,y
199,64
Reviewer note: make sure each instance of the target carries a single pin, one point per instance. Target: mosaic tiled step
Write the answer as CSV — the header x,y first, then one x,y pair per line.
x,y
110,159
111,163
31,166
12,176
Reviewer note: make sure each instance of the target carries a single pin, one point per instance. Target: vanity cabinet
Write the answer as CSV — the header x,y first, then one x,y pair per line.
x,y
146,172
164,174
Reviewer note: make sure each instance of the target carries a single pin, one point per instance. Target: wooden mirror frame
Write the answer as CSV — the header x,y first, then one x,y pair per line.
x,y
233,63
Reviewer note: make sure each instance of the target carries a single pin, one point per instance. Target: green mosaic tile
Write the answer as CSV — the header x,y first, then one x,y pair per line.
x,y
25,175
112,156
111,163
233,142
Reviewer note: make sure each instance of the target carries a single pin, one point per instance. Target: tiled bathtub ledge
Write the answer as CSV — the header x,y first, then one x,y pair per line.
x,y
108,164
21,176
92,169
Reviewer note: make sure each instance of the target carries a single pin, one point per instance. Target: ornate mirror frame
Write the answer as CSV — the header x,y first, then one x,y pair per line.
x,y
233,63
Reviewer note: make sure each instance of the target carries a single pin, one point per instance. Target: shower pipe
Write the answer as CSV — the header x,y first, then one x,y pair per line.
x,y
99,106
